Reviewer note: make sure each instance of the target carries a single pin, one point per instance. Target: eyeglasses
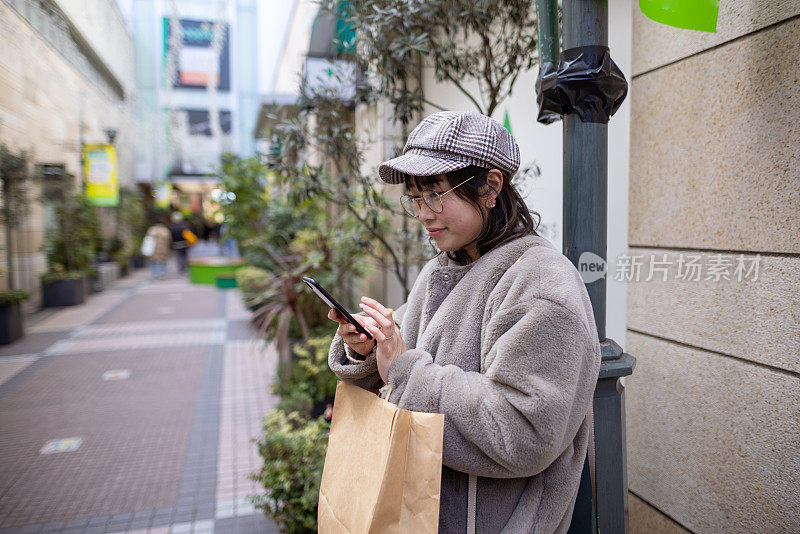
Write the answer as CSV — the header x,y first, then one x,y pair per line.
x,y
412,205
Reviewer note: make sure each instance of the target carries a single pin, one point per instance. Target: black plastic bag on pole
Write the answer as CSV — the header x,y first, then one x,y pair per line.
x,y
587,82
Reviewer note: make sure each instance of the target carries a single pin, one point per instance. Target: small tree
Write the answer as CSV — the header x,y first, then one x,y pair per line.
x,y
131,218
71,244
488,42
14,178
338,179
287,237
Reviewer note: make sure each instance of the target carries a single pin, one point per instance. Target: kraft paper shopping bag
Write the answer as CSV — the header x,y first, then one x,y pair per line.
x,y
383,467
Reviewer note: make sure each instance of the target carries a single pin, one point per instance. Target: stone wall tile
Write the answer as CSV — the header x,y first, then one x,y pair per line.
x,y
656,44
713,442
755,317
714,148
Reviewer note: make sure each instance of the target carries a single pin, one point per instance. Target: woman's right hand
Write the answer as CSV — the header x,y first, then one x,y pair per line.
x,y
354,339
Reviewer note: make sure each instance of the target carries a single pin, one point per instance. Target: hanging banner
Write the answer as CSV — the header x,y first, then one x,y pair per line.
x,y
688,14
198,64
163,195
100,175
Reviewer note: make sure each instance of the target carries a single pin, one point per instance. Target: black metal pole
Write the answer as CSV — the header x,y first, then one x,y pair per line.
x,y
547,26
585,23
586,159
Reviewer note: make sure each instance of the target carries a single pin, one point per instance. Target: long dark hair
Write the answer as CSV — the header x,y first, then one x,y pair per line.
x,y
509,219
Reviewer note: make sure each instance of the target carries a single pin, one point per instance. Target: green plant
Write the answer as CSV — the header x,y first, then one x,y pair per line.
x,y
245,206
132,211
57,272
293,449
287,237
123,255
111,247
325,126
490,45
309,379
251,280
13,296
13,181
71,243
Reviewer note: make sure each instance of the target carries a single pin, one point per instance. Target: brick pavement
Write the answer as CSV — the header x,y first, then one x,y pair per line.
x,y
134,412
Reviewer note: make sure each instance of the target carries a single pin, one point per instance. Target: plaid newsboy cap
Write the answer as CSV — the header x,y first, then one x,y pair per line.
x,y
450,140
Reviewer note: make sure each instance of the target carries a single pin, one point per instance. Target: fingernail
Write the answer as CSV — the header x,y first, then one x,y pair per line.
x,y
364,299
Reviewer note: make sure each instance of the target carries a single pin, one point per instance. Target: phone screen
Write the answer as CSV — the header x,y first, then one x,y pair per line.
x,y
332,302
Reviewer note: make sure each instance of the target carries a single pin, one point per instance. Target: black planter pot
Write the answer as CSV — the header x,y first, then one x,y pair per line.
x,y
95,284
64,292
138,261
10,323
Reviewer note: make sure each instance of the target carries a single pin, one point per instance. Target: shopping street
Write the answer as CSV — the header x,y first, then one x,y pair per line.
x,y
134,413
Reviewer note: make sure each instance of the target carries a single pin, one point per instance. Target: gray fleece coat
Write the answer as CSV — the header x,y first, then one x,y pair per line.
x,y
506,348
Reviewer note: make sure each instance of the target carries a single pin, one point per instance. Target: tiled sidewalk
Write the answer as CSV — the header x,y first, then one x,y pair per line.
x,y
134,412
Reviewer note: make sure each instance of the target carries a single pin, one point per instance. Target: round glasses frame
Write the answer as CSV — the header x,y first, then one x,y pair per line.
x,y
412,205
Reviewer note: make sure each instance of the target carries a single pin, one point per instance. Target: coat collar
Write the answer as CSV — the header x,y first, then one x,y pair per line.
x,y
508,252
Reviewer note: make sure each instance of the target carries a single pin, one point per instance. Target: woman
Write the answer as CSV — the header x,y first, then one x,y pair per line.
x,y
163,241
497,334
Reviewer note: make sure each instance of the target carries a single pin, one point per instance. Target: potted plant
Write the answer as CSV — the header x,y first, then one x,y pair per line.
x,y
131,227
63,288
123,258
309,386
94,284
286,238
138,260
293,449
70,247
13,186
11,328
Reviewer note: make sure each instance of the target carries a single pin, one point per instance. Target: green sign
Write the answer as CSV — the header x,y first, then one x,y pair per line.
x,y
507,123
689,14
345,32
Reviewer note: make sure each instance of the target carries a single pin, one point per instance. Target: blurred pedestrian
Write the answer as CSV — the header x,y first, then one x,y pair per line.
x,y
228,248
180,244
162,238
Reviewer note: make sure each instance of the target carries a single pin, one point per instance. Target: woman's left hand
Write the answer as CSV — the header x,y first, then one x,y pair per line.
x,y
390,343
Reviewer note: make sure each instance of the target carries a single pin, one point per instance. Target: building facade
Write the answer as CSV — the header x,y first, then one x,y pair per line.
x,y
197,78
712,406
66,80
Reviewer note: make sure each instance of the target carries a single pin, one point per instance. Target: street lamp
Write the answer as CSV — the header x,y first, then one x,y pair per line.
x,y
584,88
111,134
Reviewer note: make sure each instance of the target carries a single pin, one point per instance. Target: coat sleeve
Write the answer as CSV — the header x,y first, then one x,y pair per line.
x,y
354,368
524,410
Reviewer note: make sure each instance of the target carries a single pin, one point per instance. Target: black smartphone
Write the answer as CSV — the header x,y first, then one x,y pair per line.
x,y
331,302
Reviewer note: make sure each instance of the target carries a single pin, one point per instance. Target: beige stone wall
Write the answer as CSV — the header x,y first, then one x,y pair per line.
x,y
44,104
94,18
713,424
